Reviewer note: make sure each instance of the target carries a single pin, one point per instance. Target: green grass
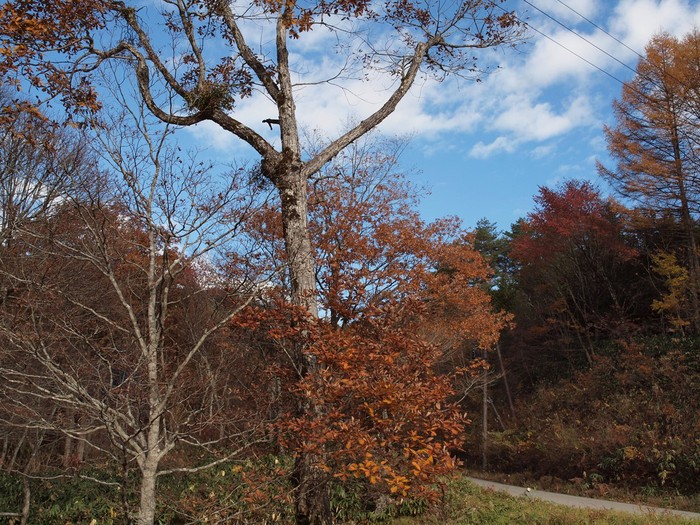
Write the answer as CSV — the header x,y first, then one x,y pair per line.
x,y
468,505
77,501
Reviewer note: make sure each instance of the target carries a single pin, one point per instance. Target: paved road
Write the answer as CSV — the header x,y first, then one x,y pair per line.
x,y
577,501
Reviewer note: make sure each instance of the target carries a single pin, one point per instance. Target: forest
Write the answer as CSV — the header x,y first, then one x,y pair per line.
x,y
286,340
599,376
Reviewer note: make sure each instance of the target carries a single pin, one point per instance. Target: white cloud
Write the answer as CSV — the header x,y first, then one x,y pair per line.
x,y
568,12
480,150
541,152
539,121
567,170
211,135
636,21
522,120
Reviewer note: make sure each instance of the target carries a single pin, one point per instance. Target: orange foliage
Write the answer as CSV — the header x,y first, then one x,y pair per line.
x,y
32,32
383,413
654,144
397,297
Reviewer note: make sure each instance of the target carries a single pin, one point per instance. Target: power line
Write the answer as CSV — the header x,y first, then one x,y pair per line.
x,y
682,118
641,57
553,40
578,35
577,55
602,30
574,53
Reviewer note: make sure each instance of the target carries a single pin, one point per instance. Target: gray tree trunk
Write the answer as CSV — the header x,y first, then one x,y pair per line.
x,y
312,498
300,259
147,501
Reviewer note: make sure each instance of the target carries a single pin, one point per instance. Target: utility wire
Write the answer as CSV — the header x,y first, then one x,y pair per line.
x,y
579,35
642,58
551,39
577,55
602,30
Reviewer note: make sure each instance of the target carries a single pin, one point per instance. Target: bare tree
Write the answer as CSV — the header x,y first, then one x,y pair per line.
x,y
97,349
34,166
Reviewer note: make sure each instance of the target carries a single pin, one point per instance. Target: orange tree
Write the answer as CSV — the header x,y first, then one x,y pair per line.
x,y
654,142
399,299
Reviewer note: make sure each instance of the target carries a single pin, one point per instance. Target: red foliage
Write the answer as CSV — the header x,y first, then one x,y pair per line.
x,y
568,218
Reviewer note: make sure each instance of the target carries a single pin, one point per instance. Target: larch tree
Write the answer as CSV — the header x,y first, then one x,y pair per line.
x,y
195,60
654,142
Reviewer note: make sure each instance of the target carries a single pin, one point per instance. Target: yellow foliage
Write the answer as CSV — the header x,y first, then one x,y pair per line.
x,y
677,282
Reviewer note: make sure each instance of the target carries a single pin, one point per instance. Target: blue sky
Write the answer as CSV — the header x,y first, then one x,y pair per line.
x,y
544,118
484,148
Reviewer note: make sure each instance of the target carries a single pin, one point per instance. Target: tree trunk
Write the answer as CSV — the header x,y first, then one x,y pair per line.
x,y
693,265
5,448
67,451
688,227
312,498
27,496
485,418
147,502
505,382
80,451
292,189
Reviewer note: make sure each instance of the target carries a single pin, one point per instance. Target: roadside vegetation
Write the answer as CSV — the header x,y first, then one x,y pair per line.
x,y
468,505
220,496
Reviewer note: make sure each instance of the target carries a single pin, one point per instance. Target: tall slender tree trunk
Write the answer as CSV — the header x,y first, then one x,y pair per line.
x,y
693,273
688,230
312,497
505,382
27,498
693,265
152,456
485,417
